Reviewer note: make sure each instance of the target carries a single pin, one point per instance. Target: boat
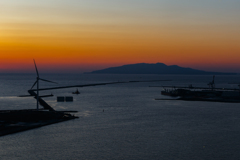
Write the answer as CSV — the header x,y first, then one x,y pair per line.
x,y
76,92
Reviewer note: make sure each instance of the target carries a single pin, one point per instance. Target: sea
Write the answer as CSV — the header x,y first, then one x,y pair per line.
x,y
123,121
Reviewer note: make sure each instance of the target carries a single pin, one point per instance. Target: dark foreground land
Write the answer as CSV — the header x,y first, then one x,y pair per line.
x,y
21,120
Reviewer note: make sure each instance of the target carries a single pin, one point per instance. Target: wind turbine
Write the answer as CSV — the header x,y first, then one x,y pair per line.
x,y
37,82
212,84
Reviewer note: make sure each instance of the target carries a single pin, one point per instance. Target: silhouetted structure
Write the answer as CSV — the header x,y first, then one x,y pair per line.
x,y
158,68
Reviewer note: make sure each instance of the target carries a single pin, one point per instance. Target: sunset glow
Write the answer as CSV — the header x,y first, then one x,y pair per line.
x,y
81,36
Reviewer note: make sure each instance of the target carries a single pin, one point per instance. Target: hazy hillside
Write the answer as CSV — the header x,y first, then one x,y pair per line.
x,y
158,68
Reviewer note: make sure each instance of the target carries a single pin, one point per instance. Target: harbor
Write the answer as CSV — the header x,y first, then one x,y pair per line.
x,y
210,94
12,121
21,120
133,122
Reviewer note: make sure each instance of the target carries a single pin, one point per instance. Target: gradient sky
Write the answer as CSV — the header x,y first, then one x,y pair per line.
x,y
84,35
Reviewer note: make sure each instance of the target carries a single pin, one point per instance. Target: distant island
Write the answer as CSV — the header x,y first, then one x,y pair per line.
x,y
158,68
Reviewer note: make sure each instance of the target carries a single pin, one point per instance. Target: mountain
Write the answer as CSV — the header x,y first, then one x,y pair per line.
x,y
158,68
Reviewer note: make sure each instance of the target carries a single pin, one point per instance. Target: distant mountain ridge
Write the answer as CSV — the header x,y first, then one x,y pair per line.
x,y
158,68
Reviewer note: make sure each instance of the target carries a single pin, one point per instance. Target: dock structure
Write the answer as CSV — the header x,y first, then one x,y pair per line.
x,y
69,99
210,94
41,101
60,99
12,121
65,99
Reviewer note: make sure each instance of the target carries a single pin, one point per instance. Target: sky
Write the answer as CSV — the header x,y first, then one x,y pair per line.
x,y
80,36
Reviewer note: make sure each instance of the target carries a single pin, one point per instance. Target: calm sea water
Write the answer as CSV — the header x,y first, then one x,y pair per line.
x,y
133,125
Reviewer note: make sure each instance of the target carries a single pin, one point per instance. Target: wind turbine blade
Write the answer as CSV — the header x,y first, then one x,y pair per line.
x,y
34,84
36,67
47,81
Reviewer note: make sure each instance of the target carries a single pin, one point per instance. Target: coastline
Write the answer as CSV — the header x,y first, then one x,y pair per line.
x,y
24,126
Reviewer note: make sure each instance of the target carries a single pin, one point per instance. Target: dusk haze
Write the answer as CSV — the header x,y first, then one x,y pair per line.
x,y
119,79
82,36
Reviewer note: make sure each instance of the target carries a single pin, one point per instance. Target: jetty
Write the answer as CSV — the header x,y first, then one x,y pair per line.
x,y
210,94
13,121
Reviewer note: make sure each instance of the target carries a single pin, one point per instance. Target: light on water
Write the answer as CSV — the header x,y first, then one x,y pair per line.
x,y
123,121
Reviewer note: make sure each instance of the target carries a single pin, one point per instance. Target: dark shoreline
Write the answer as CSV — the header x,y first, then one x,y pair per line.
x,y
6,130
202,99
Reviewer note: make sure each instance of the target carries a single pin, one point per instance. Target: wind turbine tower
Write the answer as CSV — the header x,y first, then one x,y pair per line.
x,y
37,82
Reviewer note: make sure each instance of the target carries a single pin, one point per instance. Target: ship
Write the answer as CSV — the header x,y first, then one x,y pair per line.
x,y
211,93
76,92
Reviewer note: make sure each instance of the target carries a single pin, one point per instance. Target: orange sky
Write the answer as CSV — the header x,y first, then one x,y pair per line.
x,y
83,37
